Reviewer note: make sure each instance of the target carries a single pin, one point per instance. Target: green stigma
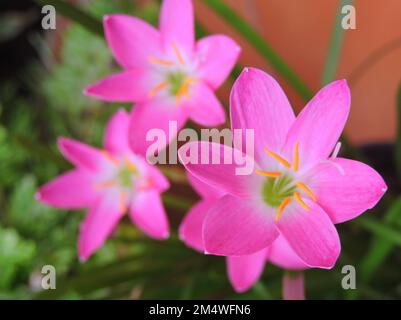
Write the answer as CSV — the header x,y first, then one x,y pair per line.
x,y
275,190
125,177
176,80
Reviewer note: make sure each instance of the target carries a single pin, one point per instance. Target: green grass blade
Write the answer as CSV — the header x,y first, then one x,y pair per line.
x,y
382,229
336,41
398,141
75,14
260,44
381,247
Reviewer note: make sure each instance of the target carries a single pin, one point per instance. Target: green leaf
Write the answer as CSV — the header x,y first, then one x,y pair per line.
x,y
261,45
75,14
398,141
381,247
336,41
382,229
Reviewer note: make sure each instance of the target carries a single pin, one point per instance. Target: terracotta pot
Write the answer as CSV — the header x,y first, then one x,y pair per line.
x,y
299,30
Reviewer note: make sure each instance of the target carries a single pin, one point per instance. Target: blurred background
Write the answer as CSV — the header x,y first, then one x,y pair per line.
x,y
301,43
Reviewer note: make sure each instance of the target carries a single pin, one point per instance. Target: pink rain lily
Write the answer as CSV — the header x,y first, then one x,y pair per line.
x,y
297,190
167,74
243,271
109,182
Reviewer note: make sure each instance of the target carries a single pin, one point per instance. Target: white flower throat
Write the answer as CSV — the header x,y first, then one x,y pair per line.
x,y
177,77
281,187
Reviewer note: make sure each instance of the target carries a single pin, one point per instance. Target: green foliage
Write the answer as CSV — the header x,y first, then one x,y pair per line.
x,y
16,256
29,216
63,89
381,245
398,141
131,265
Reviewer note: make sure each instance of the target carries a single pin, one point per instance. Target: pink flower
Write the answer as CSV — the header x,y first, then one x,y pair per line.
x,y
109,182
167,74
297,190
243,271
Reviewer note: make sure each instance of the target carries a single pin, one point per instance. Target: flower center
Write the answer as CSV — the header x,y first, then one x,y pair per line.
x,y
124,177
279,189
122,180
276,190
177,82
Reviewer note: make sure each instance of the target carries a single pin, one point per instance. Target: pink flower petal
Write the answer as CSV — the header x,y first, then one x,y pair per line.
x,y
218,54
204,108
221,174
244,271
99,223
282,255
236,227
80,154
177,23
319,125
257,102
72,190
153,115
311,234
191,227
157,179
147,212
346,188
116,136
131,40
293,286
204,190
127,86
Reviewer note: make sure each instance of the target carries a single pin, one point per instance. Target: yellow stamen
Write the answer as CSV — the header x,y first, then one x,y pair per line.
x,y
282,206
296,157
184,90
178,54
272,174
106,184
160,61
110,157
122,202
279,159
300,201
306,190
130,165
160,86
